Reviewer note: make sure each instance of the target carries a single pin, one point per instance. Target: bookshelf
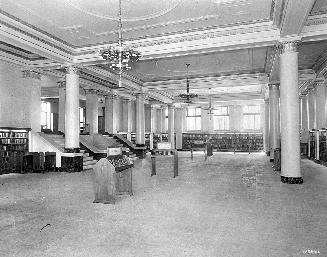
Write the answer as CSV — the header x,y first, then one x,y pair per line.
x,y
245,142
13,146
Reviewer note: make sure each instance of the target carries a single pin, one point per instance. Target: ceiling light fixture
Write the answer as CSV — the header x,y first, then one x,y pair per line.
x,y
119,56
188,96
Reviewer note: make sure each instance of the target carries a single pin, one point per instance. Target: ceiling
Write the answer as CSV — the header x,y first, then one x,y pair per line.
x,y
229,44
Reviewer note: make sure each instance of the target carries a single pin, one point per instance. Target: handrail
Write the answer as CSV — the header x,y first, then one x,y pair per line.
x,y
127,142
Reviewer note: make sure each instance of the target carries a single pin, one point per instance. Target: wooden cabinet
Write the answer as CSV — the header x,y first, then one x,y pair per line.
x,y
13,146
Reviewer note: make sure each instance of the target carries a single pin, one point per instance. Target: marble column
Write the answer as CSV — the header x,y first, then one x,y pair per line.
x,y
61,105
304,119
274,137
125,115
140,119
266,128
159,120
163,120
130,105
72,160
179,126
289,106
320,105
92,111
312,109
171,126
111,110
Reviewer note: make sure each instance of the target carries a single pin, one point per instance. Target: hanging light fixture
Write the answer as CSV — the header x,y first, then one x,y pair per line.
x,y
120,56
210,109
188,96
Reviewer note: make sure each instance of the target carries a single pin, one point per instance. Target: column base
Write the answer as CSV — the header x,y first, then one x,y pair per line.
x,y
291,180
72,150
268,153
71,164
271,160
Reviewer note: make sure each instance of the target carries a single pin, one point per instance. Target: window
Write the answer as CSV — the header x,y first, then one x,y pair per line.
x,y
221,118
193,119
45,115
251,117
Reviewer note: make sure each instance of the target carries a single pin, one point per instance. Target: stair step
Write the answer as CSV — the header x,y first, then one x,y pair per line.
x,y
90,162
86,167
87,158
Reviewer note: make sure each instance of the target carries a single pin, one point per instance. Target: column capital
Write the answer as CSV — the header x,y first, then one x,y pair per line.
x,y
91,91
72,70
288,46
31,74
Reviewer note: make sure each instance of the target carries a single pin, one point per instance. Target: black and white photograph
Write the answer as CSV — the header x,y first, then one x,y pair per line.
x,y
173,128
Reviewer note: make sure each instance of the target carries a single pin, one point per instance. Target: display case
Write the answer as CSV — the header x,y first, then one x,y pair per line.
x,y
13,147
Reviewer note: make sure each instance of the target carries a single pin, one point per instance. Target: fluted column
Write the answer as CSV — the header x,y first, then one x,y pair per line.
x,y
92,111
171,126
274,137
61,106
266,128
72,110
140,119
289,106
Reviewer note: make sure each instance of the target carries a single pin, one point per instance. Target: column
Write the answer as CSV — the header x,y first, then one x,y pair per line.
x,y
61,106
111,114
153,125
289,106
179,126
140,119
171,126
274,137
129,119
92,111
159,120
320,105
312,109
72,109
266,128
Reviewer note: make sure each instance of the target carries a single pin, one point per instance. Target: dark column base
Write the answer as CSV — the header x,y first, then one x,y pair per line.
x,y
72,150
98,156
291,180
71,164
268,153
141,153
271,160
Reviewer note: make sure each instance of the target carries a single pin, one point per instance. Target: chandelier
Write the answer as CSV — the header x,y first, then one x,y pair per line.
x,y
120,56
188,96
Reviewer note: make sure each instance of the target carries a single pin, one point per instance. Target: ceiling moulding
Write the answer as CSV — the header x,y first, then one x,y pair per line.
x,y
127,81
16,60
24,40
315,28
22,27
219,39
246,79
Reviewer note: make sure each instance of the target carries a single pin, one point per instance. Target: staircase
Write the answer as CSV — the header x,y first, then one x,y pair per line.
x,y
59,142
115,142
88,160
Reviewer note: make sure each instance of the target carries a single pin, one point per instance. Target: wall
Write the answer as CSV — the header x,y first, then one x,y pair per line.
x,y
20,99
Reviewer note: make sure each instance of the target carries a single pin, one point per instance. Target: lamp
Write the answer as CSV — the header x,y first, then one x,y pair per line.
x,y
188,96
118,55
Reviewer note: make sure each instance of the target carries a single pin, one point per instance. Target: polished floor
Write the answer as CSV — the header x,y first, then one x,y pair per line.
x,y
229,205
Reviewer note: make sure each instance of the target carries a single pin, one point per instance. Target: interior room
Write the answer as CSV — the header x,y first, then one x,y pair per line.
x,y
163,128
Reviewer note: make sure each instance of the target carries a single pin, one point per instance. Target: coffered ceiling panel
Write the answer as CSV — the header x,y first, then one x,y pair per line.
x,y
320,7
85,22
309,53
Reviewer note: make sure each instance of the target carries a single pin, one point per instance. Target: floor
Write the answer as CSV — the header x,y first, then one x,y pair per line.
x,y
229,205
